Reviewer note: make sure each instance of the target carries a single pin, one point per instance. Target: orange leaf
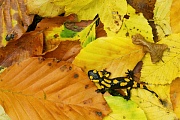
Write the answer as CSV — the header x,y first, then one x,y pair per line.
x,y
155,50
67,51
41,88
174,16
30,44
175,96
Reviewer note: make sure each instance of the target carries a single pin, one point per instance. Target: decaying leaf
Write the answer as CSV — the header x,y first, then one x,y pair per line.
x,y
66,51
151,106
88,9
30,44
175,96
111,53
134,23
88,34
146,7
52,26
39,88
123,109
100,32
163,72
174,16
14,20
155,50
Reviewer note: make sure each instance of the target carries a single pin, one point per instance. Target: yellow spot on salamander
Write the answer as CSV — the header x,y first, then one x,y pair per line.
x,y
123,83
107,75
94,71
106,84
134,84
141,86
91,77
95,81
100,74
108,81
127,80
99,86
115,81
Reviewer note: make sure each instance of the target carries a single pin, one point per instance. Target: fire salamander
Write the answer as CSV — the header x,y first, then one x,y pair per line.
x,y
104,83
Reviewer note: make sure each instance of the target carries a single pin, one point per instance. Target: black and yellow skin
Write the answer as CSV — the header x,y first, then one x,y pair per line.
x,y
104,83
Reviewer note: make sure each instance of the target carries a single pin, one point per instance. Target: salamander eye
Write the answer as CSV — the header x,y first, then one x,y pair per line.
x,y
93,74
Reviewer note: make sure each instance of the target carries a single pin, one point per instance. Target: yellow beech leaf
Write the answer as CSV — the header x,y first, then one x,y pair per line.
x,y
123,109
47,8
151,106
162,17
87,35
39,88
163,72
14,20
109,11
116,54
3,115
135,23
175,96
174,16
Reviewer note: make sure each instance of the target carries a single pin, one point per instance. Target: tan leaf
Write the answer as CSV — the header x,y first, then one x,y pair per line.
x,y
155,50
41,88
67,51
30,44
14,20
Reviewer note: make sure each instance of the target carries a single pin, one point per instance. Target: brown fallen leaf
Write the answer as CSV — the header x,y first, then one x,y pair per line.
x,y
175,96
39,88
14,20
30,44
155,50
100,32
49,23
66,51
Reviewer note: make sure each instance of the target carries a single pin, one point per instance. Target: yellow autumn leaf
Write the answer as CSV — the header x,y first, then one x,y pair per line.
x,y
110,12
3,115
123,109
151,105
135,23
163,72
39,88
87,35
162,17
174,16
116,54
47,8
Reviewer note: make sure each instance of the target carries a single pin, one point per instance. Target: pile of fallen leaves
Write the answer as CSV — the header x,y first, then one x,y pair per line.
x,y
44,67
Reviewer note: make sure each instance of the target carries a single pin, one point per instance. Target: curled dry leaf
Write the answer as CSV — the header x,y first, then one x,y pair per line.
x,y
30,44
155,50
14,20
66,51
175,96
39,88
